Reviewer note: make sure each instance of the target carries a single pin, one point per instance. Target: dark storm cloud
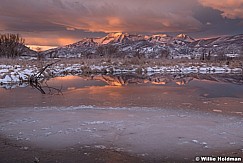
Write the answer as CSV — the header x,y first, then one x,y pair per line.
x,y
230,8
54,21
213,23
25,25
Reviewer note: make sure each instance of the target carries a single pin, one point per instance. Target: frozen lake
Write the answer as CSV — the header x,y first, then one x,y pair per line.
x,y
157,116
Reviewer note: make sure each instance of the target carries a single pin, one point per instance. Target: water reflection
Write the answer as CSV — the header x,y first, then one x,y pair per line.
x,y
129,79
157,79
126,90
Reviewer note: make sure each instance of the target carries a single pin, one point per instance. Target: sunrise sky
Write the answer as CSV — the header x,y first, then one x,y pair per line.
x,y
53,23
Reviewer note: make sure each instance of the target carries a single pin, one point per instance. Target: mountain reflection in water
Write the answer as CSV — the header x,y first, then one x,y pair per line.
x,y
118,90
128,79
158,79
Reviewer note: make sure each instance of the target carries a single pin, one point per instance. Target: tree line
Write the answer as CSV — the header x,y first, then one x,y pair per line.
x,y
11,45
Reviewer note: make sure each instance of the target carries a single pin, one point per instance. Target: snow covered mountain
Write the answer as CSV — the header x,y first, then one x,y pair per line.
x,y
123,38
154,46
184,37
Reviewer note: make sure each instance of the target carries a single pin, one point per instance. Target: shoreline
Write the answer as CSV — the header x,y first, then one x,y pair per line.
x,y
75,154
20,71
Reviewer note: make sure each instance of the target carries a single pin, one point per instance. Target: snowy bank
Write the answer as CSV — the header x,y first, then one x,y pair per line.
x,y
16,73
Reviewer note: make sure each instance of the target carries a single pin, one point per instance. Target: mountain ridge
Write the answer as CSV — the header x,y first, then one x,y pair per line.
x,y
150,46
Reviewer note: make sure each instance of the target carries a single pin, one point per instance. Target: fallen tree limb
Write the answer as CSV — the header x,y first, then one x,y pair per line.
x,y
34,81
34,78
44,68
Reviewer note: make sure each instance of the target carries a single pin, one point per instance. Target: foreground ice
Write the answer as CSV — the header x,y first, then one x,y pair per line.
x,y
143,131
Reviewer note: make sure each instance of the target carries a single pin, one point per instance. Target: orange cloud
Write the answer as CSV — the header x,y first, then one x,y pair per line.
x,y
108,24
123,16
65,41
52,41
70,29
231,8
114,21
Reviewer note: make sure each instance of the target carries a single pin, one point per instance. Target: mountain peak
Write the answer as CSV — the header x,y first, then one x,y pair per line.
x,y
185,37
117,34
182,35
119,37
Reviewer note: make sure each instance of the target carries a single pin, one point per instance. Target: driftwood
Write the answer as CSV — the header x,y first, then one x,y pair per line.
x,y
34,81
34,78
